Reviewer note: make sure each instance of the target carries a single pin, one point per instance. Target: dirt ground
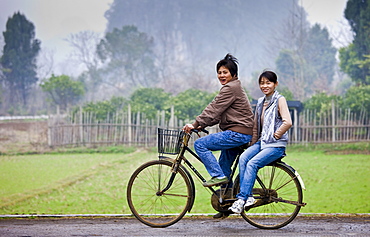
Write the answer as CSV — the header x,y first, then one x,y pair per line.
x,y
23,137
188,226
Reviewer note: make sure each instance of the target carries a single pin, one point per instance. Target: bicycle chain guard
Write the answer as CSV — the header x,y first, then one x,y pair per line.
x,y
216,202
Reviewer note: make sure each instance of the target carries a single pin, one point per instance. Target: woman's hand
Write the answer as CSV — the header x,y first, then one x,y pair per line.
x,y
188,127
276,136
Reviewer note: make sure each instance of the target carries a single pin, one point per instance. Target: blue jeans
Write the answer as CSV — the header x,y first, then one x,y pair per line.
x,y
250,162
226,141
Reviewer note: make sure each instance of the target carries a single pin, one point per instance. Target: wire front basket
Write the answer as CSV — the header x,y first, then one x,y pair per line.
x,y
169,141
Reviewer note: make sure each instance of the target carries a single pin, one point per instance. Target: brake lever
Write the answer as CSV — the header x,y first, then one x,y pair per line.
x,y
200,130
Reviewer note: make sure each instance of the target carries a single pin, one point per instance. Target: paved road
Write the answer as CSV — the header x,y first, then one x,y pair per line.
x,y
189,226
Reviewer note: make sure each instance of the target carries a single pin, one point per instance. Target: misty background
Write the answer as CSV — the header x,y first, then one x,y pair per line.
x,y
192,36
183,40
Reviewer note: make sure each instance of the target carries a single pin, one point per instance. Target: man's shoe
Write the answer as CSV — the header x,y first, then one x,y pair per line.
x,y
250,201
238,206
222,215
215,181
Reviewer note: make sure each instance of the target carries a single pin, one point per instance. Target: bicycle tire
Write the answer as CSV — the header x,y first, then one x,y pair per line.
x,y
269,212
159,210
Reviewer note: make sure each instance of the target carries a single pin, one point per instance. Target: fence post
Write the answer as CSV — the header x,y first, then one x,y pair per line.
x,y
49,130
137,127
172,118
163,119
295,125
81,127
129,123
333,120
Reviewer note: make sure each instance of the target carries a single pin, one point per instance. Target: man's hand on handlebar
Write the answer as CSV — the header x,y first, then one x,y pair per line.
x,y
188,128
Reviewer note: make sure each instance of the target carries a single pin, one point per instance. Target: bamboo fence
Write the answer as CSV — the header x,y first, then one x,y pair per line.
x,y
81,129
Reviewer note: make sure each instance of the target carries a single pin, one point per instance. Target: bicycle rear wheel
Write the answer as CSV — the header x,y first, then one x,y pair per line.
x,y
279,202
157,209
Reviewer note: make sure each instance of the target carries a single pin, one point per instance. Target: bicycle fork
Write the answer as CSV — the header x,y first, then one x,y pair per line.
x,y
170,181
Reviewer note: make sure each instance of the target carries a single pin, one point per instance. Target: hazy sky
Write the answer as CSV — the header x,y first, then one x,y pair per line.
x,y
56,19
329,13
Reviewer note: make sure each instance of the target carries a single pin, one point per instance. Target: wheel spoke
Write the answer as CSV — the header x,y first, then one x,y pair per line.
x,y
149,204
279,198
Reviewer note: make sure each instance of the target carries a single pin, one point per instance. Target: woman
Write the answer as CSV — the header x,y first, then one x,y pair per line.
x,y
232,111
271,123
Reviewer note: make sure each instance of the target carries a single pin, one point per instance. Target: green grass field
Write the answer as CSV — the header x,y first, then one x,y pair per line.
x,y
96,183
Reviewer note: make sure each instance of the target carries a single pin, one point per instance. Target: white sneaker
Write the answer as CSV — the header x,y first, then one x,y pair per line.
x,y
250,201
238,206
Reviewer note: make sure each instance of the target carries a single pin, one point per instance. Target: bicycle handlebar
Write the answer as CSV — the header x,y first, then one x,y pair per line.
x,y
200,130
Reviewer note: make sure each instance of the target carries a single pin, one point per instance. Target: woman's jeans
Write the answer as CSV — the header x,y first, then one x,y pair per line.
x,y
226,141
250,162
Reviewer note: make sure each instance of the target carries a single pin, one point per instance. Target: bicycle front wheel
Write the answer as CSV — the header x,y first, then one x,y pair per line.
x,y
149,204
279,198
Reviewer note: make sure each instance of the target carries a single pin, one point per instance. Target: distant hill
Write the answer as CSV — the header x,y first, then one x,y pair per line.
x,y
200,32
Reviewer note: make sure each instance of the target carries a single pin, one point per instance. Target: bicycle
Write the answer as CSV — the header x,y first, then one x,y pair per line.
x,y
160,192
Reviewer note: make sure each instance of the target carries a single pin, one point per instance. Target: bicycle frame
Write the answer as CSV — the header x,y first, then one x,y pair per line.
x,y
181,157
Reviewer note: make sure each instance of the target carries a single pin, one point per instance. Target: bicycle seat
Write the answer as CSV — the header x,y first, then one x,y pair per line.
x,y
278,160
245,146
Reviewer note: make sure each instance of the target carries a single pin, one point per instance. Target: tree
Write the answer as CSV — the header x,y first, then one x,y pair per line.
x,y
45,64
309,67
85,45
19,58
289,67
128,57
321,103
354,59
104,109
357,99
149,101
319,55
63,91
286,93
190,103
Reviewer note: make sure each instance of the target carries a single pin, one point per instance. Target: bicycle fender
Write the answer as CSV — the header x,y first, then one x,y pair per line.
x,y
295,172
189,176
300,180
